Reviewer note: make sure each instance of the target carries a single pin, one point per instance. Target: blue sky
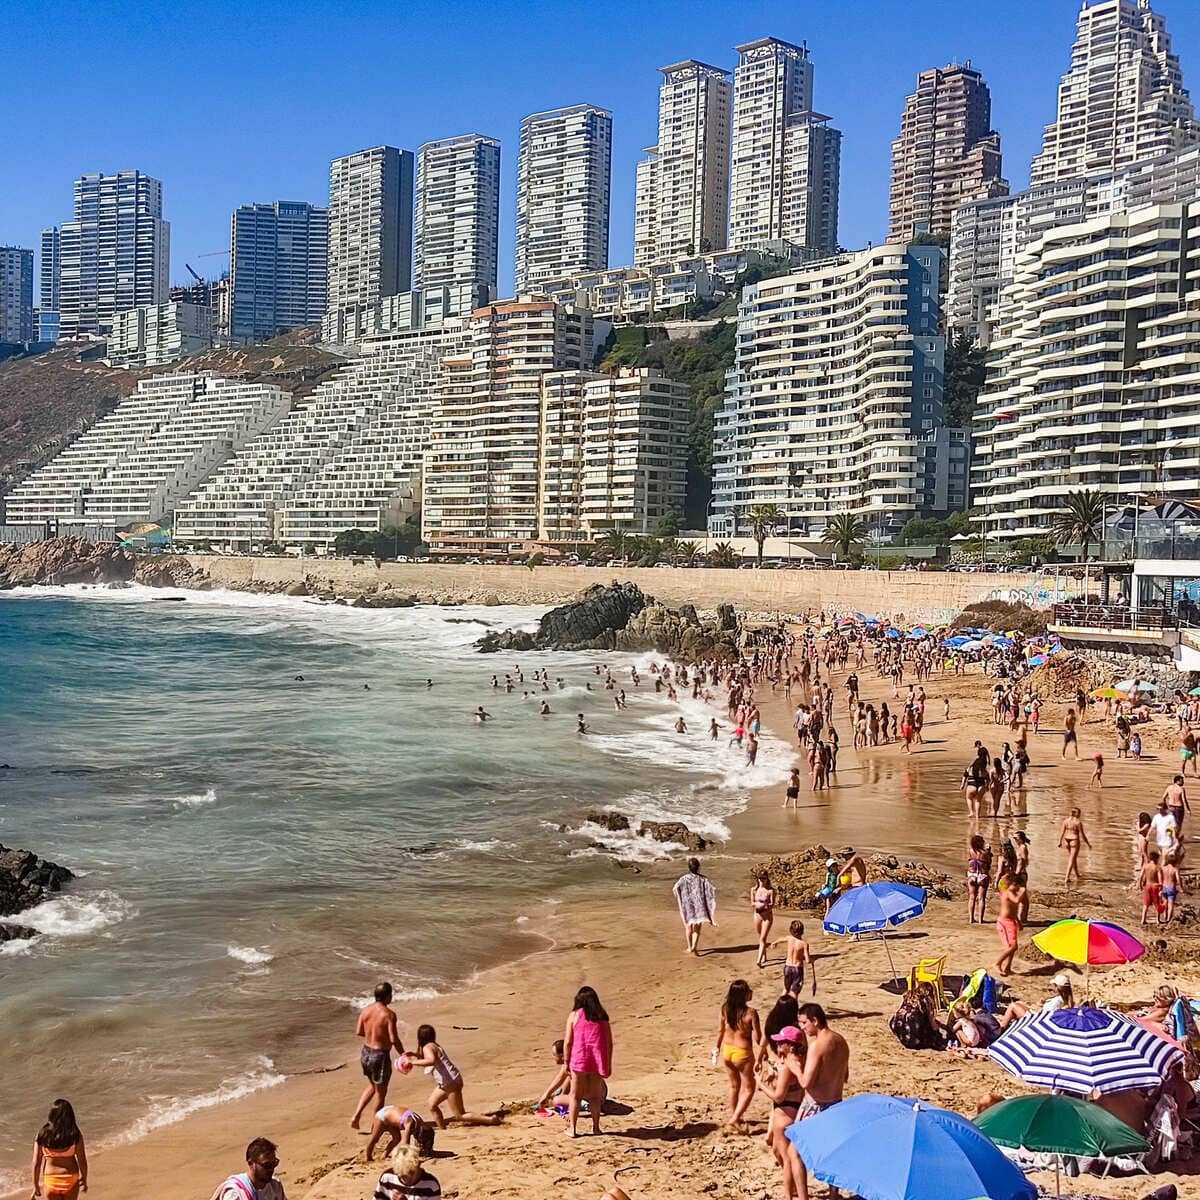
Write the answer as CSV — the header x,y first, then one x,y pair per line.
x,y
229,102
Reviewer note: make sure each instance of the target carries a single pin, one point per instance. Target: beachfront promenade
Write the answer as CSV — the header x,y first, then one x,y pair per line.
x,y
923,595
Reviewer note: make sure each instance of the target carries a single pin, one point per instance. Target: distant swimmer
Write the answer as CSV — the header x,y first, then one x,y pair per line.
x,y
714,730
588,685
481,716
681,726
366,687
545,709
581,724
298,678
495,682
429,683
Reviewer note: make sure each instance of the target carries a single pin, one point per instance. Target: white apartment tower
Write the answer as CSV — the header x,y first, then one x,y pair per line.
x,y
645,210
457,218
370,228
49,289
564,170
690,187
947,152
16,295
115,254
1122,98
775,193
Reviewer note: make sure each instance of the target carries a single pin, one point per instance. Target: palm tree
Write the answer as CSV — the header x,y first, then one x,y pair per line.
x,y
764,520
668,547
843,531
687,552
1082,520
723,555
612,543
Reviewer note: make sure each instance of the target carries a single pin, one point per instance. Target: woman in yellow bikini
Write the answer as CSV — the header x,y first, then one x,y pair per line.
x,y
59,1159
737,1037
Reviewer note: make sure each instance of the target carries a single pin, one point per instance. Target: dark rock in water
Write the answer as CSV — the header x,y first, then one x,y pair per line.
x,y
16,933
26,880
614,822
673,831
589,623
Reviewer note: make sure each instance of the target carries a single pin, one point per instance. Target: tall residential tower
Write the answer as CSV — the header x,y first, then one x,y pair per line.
x,y
785,158
946,154
457,224
16,296
564,170
115,255
685,185
279,268
1121,100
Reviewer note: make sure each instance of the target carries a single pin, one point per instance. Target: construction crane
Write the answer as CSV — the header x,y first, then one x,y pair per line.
x,y
202,282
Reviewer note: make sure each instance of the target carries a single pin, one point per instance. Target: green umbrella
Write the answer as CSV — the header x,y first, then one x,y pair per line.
x,y
1059,1125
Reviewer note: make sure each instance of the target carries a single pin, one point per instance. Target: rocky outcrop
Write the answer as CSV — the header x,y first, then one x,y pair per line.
x,y
27,880
590,623
673,831
16,933
169,570
613,822
681,633
64,560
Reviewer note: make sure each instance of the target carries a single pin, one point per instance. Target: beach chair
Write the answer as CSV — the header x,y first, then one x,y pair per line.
x,y
930,970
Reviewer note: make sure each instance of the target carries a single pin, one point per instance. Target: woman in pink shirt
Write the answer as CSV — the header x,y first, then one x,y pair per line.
x,y
587,1048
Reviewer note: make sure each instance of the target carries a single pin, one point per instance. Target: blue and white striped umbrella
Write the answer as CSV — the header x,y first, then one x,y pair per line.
x,y
1084,1050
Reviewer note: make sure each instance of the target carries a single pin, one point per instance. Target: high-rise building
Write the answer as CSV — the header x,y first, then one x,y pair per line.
x,y
480,483
278,268
115,254
16,296
370,228
645,210
1094,372
613,452
456,233
691,177
49,290
778,140
947,152
564,175
826,412
158,335
1122,98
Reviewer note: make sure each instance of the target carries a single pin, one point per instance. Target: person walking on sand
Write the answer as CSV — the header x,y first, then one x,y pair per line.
x,y
697,901
258,1181
588,1049
1073,836
797,957
762,903
1010,895
738,1035
826,1072
1177,801
60,1167
1150,881
1070,737
791,795
378,1030
1172,881
1097,780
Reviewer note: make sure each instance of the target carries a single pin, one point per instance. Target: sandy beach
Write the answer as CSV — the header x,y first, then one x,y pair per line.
x,y
624,939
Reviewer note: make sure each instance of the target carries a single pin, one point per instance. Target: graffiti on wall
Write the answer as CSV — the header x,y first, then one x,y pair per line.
x,y
1047,591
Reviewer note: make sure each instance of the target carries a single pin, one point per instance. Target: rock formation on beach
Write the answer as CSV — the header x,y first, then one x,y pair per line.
x,y
26,881
622,617
64,560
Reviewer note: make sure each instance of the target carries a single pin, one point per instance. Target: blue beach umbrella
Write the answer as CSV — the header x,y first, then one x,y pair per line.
x,y
892,633
959,639
1005,643
1084,1050
885,1148
874,908
917,633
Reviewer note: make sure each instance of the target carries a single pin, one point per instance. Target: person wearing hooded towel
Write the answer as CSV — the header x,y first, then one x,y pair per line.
x,y
697,901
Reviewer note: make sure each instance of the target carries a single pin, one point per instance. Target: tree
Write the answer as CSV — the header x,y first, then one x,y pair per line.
x,y
667,525
963,376
764,520
844,532
722,555
352,541
687,552
668,548
612,543
1082,519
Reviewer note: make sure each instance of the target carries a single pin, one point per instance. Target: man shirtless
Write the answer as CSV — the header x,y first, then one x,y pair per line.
x,y
377,1028
1011,895
1177,801
854,867
826,1071
1070,737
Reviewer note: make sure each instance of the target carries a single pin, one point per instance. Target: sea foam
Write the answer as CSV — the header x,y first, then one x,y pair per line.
x,y
249,955
77,916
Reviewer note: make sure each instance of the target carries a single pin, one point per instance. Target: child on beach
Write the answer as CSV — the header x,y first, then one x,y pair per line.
x,y
1150,880
791,797
1135,746
1098,772
797,958
831,886
1171,884
402,1126
560,1085
448,1082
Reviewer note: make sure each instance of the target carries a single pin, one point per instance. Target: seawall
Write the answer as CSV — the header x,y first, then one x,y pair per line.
x,y
922,595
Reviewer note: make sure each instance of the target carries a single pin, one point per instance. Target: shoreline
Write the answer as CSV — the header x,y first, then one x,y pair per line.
x,y
621,934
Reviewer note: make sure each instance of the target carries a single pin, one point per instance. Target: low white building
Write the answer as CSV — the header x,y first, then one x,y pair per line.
x,y
155,335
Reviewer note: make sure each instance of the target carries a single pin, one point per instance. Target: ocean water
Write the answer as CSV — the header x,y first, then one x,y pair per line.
x,y
256,851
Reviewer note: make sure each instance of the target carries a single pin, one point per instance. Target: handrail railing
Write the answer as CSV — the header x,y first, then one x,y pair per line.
x,y
1113,616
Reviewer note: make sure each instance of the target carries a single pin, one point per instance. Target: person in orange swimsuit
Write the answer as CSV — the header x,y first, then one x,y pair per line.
x,y
59,1159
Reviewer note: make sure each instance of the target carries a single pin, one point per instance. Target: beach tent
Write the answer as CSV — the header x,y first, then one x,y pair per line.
x,y
874,908
890,1148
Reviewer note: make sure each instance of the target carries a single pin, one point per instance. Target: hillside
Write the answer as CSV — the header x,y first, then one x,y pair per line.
x,y
48,399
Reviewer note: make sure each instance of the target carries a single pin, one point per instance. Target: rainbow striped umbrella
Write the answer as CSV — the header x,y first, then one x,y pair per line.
x,y
1089,943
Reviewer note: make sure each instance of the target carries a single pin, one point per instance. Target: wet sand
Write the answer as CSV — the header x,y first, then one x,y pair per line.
x,y
624,939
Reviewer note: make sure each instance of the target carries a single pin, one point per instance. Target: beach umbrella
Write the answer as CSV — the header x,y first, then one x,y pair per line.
x,y
959,639
1127,685
874,908
1059,1125
892,633
1176,510
1089,943
888,1148
1194,692
973,645
1005,643
1083,1050
1106,693
1038,659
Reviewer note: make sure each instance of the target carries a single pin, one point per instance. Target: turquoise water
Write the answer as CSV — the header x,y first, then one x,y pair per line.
x,y
256,851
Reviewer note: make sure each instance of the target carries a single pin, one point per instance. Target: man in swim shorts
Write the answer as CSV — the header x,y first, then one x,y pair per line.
x,y
826,1070
377,1027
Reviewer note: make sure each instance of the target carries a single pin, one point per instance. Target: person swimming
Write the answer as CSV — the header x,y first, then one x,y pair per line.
x,y
480,715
